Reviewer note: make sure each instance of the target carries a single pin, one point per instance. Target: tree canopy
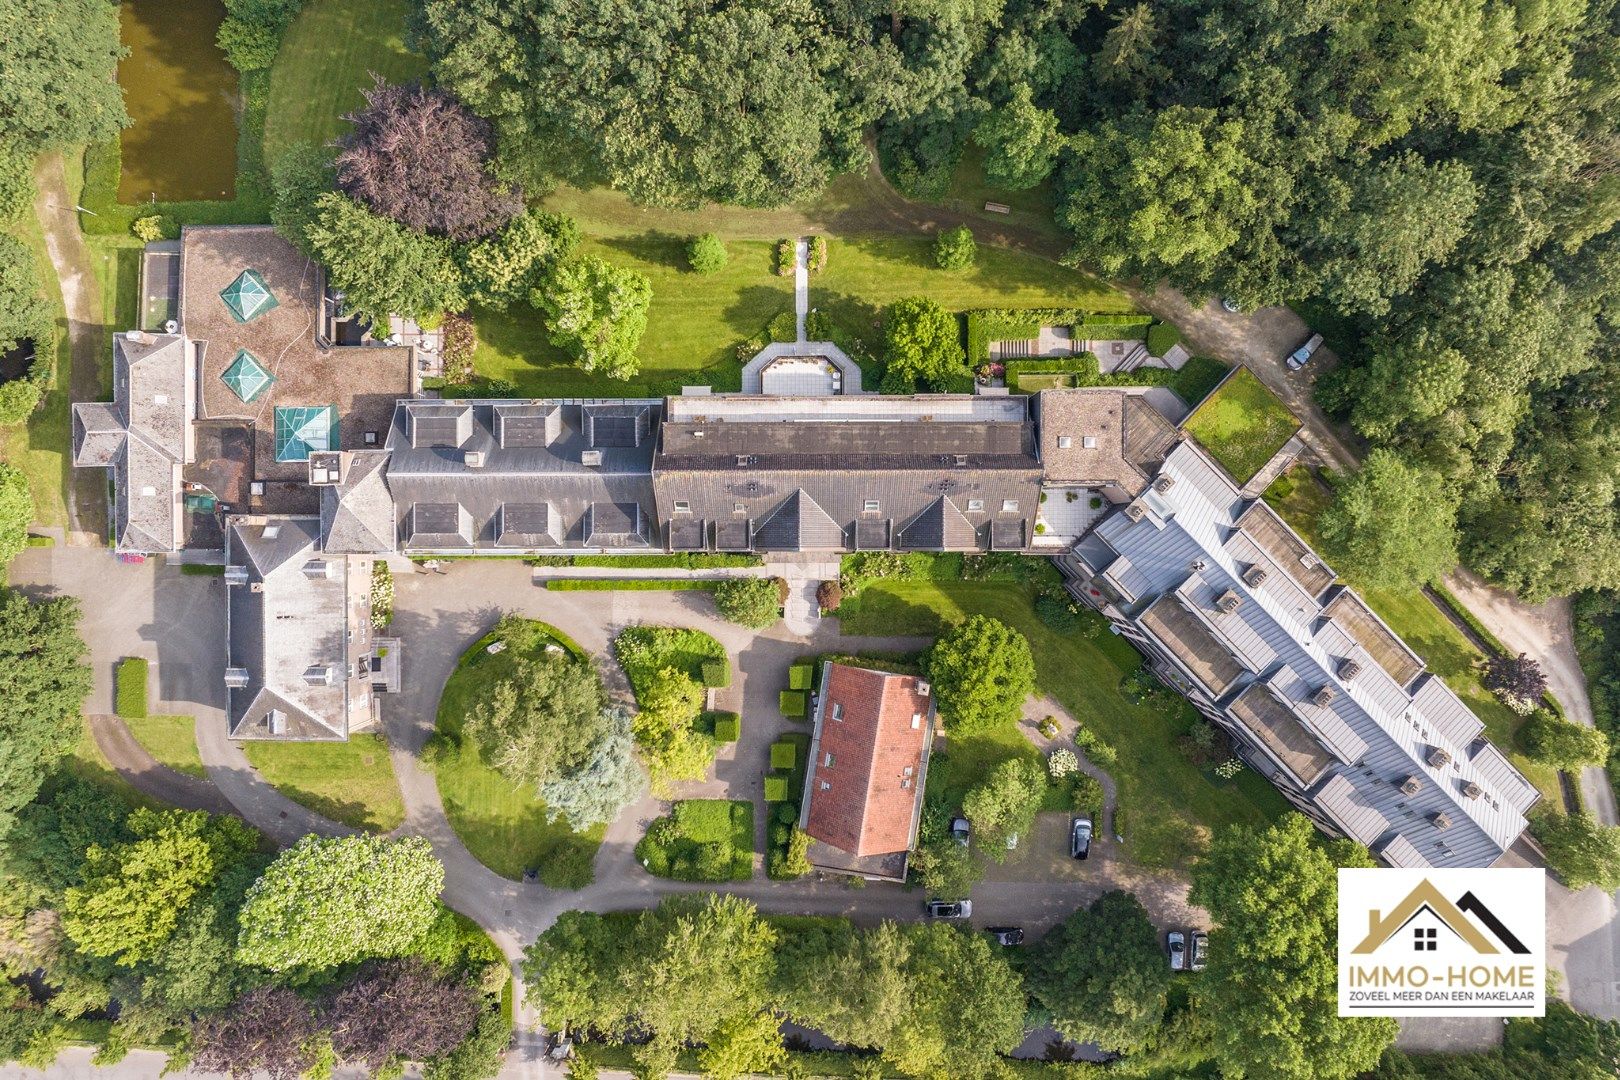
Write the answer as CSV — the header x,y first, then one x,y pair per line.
x,y
596,312
1580,849
1102,974
922,344
981,671
608,779
1391,525
383,268
1564,743
539,721
1003,805
751,602
59,89
43,683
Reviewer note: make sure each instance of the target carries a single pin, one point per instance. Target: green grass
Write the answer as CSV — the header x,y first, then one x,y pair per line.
x,y
696,824
130,702
172,740
1167,804
326,58
644,651
503,825
89,764
1300,498
352,782
1242,424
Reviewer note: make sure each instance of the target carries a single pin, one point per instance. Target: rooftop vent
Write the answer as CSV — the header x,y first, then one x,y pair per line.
x,y
1411,786
320,675
137,336
271,532
1135,512
592,458
278,722
1164,484
1349,670
1254,576
1324,696
1441,820
1198,566
1472,790
1228,602
1438,758
743,460
475,459
923,689
320,568
961,459
236,678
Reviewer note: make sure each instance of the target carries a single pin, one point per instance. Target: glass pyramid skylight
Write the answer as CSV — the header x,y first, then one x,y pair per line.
x,y
301,430
246,376
247,296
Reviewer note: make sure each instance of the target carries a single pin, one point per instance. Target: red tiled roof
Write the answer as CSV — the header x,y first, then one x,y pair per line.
x,y
869,805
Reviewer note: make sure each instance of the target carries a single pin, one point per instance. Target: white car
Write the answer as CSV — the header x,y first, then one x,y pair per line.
x,y
1177,942
1302,355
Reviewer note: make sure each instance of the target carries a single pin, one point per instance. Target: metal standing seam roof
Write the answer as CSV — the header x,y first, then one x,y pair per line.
x,y
246,377
248,296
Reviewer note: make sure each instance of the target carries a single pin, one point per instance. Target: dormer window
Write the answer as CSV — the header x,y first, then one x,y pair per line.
x,y
1065,442
870,506
837,711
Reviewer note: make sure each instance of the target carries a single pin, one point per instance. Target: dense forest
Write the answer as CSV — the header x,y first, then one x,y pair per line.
x,y
1433,180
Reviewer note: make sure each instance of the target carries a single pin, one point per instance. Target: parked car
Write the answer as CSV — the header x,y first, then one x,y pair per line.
x,y
1178,950
950,909
1080,838
1200,947
1012,842
1230,306
1006,935
959,830
1302,355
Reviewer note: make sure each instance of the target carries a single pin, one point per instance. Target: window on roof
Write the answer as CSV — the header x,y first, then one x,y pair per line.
x,y
1065,441
870,506
837,711
916,721
825,786
1089,442
683,507
975,504
828,760
1009,506
738,508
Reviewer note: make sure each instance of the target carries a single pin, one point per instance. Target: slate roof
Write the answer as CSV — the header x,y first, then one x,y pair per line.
x,y
1129,438
522,475
294,632
1241,602
144,436
868,761
935,472
357,513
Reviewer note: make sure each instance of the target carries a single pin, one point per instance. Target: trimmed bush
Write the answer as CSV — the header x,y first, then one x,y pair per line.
x,y
776,788
782,755
784,326
829,595
716,674
954,249
793,702
706,254
727,727
131,698
752,602
816,259
799,676
787,813
1162,337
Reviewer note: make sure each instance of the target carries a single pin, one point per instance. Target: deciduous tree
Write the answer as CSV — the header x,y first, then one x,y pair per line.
x,y
1102,975
16,512
400,1009
540,720
1518,679
1391,525
268,1030
1580,849
1003,805
609,779
1564,743
922,343
382,267
750,602
1020,140
596,312
61,59
981,671
663,726
503,268
43,683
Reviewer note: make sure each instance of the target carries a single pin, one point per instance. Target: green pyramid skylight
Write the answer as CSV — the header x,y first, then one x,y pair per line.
x,y
301,430
247,296
246,376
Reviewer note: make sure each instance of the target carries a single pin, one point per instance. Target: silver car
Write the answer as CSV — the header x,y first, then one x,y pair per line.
x,y
1178,950
1302,355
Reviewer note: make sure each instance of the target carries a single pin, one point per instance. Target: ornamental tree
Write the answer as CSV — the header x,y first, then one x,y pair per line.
x,y
268,1030
401,1009
1517,680
706,254
752,602
333,900
382,267
43,683
502,268
982,671
1564,743
539,720
922,343
954,249
1004,804
419,157
1103,975
609,779
596,312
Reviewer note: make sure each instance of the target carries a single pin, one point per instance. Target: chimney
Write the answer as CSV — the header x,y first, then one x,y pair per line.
x,y
1472,790
1438,758
1164,483
475,459
590,458
236,678
1411,785
1323,696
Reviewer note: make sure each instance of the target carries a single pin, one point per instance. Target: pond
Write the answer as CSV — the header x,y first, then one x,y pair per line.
x,y
181,94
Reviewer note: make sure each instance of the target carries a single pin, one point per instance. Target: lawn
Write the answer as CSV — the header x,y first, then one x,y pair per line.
x,y
1299,497
326,58
352,782
698,321
701,840
643,651
172,740
1167,804
1242,424
504,826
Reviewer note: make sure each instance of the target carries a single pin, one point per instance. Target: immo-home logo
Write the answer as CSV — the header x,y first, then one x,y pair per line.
x,y
1442,942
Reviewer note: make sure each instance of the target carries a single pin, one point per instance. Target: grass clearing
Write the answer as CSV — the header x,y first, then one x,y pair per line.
x,y
130,695
504,826
352,782
326,58
1299,497
1167,804
172,740
701,840
1242,424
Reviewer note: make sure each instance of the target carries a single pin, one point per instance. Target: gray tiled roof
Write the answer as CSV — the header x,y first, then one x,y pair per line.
x,y
357,514
1375,726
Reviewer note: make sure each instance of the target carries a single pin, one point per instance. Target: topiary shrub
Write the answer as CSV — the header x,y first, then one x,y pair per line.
x,y
727,727
816,259
706,254
955,249
792,703
776,788
716,674
787,813
783,755
147,228
829,595
131,695
799,676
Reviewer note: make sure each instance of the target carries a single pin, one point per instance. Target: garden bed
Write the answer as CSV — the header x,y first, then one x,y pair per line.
x,y
701,840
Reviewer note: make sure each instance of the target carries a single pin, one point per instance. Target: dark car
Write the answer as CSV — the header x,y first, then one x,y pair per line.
x,y
1177,943
1080,838
950,909
1006,935
959,829
1200,947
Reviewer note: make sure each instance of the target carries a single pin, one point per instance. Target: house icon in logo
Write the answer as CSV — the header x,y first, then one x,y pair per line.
x,y
1426,912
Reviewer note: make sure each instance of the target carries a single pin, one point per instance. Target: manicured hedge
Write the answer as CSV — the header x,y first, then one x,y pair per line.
x,y
783,755
1015,324
681,561
799,676
1197,377
716,674
776,788
131,700
628,585
727,727
1162,337
793,702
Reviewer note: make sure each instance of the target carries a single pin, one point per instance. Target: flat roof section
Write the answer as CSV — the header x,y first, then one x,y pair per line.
x,y
1197,649
1285,548
1388,651
1276,726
